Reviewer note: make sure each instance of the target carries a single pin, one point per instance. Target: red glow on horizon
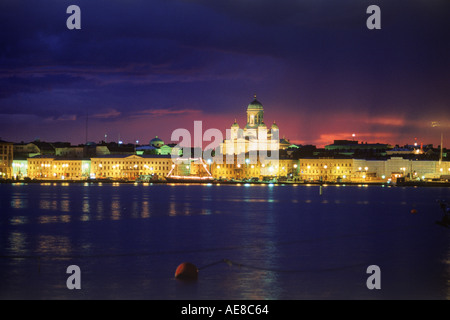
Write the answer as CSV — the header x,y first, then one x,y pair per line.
x,y
317,129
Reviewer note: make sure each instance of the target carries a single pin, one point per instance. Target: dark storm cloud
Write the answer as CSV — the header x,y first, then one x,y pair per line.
x,y
29,83
300,56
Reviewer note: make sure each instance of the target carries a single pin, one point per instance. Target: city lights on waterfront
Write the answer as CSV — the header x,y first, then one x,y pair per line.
x,y
205,150
242,157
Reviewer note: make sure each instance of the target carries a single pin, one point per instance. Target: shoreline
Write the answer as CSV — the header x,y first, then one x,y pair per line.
x,y
297,183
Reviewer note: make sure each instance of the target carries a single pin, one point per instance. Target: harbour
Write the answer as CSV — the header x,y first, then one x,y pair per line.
x,y
282,242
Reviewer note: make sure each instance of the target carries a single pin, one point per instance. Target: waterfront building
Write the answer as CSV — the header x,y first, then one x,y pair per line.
x,y
399,167
57,168
284,169
130,167
6,159
40,167
71,169
326,169
114,167
20,168
443,170
364,170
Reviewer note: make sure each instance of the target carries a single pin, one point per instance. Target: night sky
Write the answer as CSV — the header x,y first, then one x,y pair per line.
x,y
143,68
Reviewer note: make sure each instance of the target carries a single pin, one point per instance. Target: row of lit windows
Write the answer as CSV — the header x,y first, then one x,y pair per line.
x,y
129,162
135,167
39,162
325,171
323,164
54,166
289,165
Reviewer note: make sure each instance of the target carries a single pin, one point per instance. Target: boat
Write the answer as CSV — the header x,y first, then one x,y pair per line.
x,y
189,179
189,170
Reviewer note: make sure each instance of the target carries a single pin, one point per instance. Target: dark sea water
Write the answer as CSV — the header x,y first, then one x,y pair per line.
x,y
284,242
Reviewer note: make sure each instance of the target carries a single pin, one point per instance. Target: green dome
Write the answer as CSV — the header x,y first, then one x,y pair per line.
x,y
235,124
156,142
255,104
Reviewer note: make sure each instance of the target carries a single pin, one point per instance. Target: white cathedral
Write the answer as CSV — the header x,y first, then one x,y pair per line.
x,y
255,136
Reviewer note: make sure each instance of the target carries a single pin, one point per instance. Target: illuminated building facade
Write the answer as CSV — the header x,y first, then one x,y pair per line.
x,y
6,159
130,167
20,168
52,168
255,136
326,169
114,167
362,170
286,169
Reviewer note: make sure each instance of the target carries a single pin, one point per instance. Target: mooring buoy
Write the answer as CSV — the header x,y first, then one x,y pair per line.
x,y
186,271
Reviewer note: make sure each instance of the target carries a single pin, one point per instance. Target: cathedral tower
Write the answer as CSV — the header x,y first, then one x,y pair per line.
x,y
255,114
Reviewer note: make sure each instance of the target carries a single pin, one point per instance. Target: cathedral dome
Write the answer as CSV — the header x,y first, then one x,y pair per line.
x,y
255,104
235,124
274,125
156,142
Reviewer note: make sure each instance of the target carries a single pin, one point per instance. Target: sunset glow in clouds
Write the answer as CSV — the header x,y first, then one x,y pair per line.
x,y
144,68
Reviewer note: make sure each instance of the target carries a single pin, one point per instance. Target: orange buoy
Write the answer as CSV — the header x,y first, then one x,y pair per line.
x,y
413,211
186,271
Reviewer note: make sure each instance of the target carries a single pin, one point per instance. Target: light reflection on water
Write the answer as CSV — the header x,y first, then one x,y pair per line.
x,y
268,228
47,244
17,241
